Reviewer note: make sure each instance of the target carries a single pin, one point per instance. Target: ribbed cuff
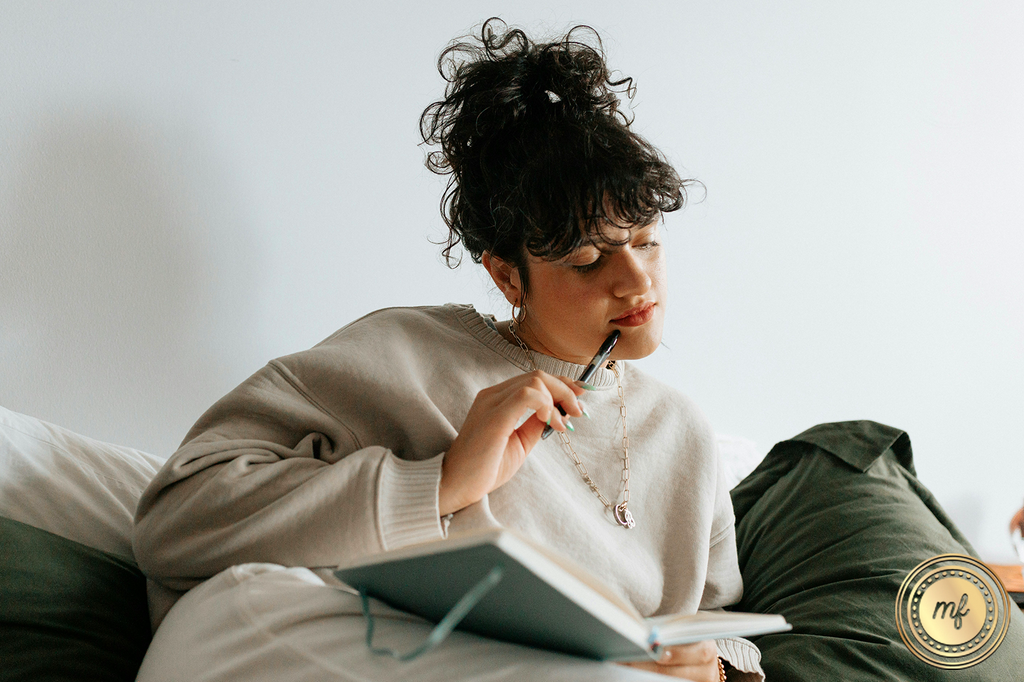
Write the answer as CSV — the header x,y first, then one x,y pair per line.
x,y
743,656
407,501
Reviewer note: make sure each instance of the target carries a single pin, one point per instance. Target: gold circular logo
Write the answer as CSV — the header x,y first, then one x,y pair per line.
x,y
952,611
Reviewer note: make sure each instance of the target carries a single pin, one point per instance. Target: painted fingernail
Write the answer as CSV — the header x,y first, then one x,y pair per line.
x,y
585,386
583,408
569,426
548,422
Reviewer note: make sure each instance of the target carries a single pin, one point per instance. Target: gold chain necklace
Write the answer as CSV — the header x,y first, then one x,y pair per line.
x,y
620,511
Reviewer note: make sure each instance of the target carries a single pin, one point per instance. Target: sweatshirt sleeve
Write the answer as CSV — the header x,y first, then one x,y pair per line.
x,y
269,475
724,583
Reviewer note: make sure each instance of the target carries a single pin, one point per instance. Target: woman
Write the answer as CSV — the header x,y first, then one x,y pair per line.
x,y
411,423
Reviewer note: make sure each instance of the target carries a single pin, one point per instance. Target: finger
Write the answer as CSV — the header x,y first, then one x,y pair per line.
x,y
549,379
530,432
564,392
523,392
533,393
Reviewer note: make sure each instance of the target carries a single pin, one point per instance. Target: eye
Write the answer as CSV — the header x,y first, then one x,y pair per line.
x,y
584,268
587,267
649,245
586,260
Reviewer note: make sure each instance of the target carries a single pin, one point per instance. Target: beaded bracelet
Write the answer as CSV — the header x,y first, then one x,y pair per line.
x,y
721,671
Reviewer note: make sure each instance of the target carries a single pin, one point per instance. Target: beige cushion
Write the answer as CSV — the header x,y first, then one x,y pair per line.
x,y
73,486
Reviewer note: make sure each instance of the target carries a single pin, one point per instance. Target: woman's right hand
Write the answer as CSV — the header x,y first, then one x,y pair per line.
x,y
490,449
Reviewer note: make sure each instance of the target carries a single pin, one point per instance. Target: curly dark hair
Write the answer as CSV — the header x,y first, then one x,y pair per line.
x,y
538,150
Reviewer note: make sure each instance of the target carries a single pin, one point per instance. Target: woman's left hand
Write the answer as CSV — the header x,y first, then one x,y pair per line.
x,y
697,662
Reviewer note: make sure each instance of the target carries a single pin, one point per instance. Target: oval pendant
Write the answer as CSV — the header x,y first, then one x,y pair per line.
x,y
623,516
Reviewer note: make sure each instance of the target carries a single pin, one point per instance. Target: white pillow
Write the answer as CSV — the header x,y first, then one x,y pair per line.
x,y
739,456
73,486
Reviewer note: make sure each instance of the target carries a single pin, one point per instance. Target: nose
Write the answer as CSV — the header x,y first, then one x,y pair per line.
x,y
630,275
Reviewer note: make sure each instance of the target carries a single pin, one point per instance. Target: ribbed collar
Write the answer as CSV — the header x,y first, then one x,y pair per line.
x,y
477,325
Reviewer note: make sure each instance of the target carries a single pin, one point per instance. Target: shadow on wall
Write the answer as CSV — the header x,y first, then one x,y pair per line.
x,y
128,281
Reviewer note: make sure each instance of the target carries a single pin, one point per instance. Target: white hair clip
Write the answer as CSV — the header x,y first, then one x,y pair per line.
x,y
552,96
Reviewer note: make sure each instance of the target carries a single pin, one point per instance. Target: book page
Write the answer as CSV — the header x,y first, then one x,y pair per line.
x,y
685,628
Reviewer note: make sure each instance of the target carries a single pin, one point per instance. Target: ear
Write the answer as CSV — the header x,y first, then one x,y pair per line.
x,y
505,276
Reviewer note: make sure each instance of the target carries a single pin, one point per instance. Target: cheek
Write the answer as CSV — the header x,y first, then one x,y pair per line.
x,y
573,304
557,299
659,266
657,273
561,289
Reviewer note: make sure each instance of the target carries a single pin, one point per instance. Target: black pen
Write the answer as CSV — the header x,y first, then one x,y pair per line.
x,y
602,355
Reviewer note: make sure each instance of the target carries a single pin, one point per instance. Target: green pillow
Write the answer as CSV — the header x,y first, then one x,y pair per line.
x,y
67,611
827,528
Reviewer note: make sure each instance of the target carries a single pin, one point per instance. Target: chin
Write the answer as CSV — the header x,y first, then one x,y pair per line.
x,y
637,345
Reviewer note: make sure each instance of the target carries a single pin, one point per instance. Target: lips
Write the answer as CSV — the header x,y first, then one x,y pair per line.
x,y
637,316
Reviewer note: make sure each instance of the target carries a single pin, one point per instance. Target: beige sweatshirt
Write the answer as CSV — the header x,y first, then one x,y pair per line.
x,y
335,452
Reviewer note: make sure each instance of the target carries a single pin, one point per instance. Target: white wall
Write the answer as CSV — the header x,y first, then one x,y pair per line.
x,y
188,190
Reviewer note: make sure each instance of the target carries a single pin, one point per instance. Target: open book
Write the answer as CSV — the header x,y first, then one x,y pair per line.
x,y
541,600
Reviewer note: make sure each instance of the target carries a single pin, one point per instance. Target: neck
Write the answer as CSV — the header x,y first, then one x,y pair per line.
x,y
533,343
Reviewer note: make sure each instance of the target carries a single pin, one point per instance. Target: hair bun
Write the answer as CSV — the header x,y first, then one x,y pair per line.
x,y
504,78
